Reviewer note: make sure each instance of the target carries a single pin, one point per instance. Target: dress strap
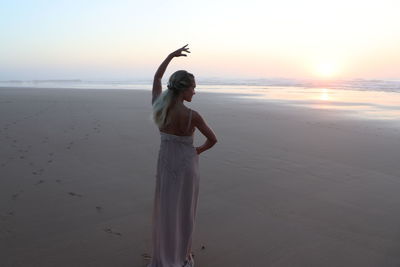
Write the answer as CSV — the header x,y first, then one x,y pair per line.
x,y
190,119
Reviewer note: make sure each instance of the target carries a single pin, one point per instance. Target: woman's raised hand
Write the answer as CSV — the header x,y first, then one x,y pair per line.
x,y
179,52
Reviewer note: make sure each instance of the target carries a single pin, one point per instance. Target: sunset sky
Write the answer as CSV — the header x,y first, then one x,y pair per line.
x,y
113,40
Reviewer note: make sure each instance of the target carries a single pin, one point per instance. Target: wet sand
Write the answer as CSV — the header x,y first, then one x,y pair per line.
x,y
284,186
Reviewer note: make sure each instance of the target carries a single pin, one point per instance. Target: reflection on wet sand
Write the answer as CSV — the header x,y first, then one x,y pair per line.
x,y
362,104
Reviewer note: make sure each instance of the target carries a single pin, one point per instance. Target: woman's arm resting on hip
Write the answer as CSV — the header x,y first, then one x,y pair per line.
x,y
199,122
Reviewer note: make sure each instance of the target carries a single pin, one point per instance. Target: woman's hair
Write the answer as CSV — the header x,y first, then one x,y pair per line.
x,y
178,82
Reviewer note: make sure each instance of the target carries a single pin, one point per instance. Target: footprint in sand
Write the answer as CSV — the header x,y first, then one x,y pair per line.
x,y
110,231
40,182
38,172
50,155
70,145
75,194
16,195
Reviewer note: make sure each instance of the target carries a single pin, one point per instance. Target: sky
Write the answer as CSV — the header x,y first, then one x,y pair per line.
x,y
127,40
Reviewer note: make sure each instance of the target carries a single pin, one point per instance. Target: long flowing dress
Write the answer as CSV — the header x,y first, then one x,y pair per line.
x,y
175,201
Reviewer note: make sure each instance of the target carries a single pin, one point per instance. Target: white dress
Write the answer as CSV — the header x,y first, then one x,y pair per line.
x,y
175,201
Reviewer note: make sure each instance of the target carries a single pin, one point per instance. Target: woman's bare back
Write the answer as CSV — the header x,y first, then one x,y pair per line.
x,y
179,122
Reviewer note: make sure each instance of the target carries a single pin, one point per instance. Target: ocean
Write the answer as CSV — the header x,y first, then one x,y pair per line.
x,y
359,98
212,84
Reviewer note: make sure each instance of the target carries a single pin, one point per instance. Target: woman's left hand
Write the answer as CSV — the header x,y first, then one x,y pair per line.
x,y
179,52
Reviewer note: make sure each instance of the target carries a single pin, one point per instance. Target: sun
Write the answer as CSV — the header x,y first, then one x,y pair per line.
x,y
326,69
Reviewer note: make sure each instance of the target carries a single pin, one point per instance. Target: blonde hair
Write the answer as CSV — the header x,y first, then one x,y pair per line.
x,y
178,82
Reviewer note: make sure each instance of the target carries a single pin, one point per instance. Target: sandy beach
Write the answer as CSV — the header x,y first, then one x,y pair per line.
x,y
285,186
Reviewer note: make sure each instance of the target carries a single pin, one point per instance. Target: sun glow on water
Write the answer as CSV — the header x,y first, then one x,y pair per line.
x,y
324,95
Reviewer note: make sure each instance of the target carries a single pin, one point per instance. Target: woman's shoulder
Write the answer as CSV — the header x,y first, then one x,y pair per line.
x,y
196,117
189,112
194,112
186,110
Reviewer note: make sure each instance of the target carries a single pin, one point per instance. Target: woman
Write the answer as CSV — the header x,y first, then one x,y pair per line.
x,y
177,178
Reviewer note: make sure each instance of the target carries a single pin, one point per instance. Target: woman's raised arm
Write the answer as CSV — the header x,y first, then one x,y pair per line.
x,y
157,88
